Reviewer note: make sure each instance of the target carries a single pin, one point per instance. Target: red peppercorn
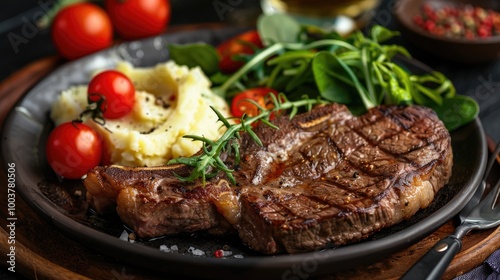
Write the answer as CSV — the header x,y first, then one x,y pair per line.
x,y
483,32
430,25
219,253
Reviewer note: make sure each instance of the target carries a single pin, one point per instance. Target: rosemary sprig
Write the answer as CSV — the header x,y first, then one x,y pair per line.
x,y
208,163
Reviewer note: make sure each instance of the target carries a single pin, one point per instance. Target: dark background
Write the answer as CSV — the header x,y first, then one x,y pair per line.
x,y
481,82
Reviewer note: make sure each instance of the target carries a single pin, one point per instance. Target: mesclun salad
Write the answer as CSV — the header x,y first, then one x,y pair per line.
x,y
359,71
306,65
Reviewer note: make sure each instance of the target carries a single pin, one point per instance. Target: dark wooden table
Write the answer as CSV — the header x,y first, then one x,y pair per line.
x,y
33,60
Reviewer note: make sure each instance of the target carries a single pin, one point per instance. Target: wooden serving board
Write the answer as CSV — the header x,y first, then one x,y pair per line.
x,y
43,252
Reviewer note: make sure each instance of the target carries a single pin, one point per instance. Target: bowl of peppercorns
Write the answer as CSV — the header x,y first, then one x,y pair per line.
x,y
457,30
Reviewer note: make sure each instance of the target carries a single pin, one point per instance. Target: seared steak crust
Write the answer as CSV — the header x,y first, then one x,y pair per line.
x,y
325,176
153,202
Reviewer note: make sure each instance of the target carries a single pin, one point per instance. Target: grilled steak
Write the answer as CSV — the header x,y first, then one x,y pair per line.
x,y
324,177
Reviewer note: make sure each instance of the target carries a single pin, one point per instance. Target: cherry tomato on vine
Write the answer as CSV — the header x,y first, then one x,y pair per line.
x,y
240,104
80,29
134,19
241,44
116,92
73,149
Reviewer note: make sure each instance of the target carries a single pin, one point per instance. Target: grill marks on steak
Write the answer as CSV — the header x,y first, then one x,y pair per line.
x,y
352,177
324,177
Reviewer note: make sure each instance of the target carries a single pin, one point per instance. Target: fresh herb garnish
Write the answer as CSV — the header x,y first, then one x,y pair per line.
x,y
209,163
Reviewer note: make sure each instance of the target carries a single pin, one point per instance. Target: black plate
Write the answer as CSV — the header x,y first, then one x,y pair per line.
x,y
26,129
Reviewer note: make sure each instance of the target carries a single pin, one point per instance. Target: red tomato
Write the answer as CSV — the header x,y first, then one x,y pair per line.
x,y
73,149
241,44
240,104
117,92
81,29
134,19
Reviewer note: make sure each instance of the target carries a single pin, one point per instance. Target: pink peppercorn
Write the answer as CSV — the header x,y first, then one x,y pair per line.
x,y
459,21
219,253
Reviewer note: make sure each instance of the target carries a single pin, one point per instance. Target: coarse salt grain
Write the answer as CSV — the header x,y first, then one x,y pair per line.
x,y
164,248
124,236
228,253
196,252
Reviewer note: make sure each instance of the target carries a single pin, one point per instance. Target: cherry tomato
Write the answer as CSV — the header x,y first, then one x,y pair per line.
x,y
240,104
240,44
73,149
134,19
81,29
115,90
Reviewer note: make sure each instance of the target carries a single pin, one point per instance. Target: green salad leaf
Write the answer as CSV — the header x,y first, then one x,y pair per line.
x,y
456,111
278,28
359,70
200,54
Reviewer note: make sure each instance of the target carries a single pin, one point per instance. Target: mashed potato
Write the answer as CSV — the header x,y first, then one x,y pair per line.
x,y
171,101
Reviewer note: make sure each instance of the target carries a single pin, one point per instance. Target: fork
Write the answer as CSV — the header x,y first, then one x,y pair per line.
x,y
479,213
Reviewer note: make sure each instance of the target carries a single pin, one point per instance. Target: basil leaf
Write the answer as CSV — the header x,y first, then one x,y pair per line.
x,y
278,28
457,111
329,79
199,54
